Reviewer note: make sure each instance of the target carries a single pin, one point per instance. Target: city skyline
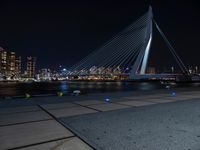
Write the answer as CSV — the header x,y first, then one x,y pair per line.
x,y
69,31
11,64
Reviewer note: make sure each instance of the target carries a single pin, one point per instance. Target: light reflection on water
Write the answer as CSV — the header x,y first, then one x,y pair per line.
x,y
146,86
64,86
14,89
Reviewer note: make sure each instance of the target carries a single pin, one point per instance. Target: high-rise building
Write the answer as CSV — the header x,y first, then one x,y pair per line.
x,y
10,64
30,70
45,74
11,70
1,53
3,61
18,66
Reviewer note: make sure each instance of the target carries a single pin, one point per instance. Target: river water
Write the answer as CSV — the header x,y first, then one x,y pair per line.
x,y
37,88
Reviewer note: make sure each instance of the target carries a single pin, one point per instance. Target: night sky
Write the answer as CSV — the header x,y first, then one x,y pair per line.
x,y
63,32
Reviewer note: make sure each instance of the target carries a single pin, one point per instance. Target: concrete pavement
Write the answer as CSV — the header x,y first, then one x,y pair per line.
x,y
128,121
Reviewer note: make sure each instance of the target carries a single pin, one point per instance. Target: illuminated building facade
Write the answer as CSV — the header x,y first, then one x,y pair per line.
x,y
30,69
3,61
44,74
18,66
151,70
10,64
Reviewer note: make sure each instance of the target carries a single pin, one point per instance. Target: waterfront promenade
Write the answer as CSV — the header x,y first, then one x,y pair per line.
x,y
158,120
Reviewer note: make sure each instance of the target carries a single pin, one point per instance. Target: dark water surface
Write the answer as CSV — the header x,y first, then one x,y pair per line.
x,y
37,88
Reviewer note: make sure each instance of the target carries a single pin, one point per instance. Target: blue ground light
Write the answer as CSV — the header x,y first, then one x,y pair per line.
x,y
107,99
173,93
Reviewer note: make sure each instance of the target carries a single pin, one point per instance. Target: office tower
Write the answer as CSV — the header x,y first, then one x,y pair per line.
x,y
3,61
11,63
30,70
18,66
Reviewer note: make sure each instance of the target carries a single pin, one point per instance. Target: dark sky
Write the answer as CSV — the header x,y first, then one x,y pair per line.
x,y
63,32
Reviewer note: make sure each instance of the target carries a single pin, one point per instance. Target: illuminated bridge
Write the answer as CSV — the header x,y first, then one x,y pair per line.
x,y
126,54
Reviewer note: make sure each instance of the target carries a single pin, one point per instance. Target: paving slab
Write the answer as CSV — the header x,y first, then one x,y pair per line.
x,y
31,133
73,111
173,126
136,103
73,143
89,102
7,119
108,106
58,105
19,109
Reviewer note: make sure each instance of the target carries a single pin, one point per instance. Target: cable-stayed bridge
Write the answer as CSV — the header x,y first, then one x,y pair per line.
x,y
125,56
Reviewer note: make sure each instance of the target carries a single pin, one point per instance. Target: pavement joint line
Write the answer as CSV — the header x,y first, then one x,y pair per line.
x,y
61,123
112,103
141,98
121,104
12,124
104,103
170,101
118,103
88,104
19,112
126,105
153,103
162,98
88,107
178,99
95,147
92,104
29,145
